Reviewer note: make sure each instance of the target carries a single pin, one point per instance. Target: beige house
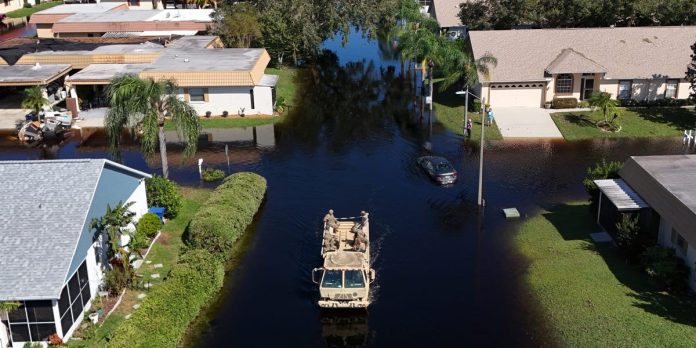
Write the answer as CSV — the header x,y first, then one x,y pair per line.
x,y
537,65
11,5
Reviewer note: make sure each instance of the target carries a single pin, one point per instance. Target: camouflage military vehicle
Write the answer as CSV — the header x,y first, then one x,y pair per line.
x,y
344,280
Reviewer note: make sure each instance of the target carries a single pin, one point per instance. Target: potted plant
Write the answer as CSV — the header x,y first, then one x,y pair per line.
x,y
94,317
208,114
547,104
225,113
241,112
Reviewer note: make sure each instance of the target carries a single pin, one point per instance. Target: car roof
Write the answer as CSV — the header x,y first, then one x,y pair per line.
x,y
434,159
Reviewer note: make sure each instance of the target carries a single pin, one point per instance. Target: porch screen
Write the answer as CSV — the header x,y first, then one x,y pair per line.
x,y
31,322
73,298
564,83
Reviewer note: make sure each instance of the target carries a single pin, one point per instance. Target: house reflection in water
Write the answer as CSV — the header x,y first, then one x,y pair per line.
x,y
261,136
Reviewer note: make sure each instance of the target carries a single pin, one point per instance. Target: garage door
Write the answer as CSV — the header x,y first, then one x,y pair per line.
x,y
506,95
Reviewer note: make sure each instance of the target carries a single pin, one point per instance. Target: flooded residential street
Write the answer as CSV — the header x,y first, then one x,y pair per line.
x,y
447,274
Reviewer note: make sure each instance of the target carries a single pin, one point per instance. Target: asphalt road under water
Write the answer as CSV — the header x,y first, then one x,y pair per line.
x,y
447,273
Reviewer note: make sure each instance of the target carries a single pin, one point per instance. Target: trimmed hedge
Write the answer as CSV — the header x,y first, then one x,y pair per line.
x,y
163,192
169,308
227,213
148,225
564,103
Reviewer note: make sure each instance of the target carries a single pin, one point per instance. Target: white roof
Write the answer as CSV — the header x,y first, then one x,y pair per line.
x,y
622,195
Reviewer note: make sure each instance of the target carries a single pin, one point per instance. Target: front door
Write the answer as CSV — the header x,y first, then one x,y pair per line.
x,y
587,86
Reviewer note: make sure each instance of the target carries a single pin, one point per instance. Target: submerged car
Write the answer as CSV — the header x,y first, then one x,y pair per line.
x,y
439,169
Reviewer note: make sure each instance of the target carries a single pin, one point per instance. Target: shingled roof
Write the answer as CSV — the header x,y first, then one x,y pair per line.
x,y
625,53
44,205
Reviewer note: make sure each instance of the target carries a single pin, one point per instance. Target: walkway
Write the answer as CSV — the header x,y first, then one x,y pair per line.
x,y
525,122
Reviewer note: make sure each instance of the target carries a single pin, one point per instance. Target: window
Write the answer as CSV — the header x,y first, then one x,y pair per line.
x,y
625,89
32,321
671,89
564,83
196,94
355,279
251,95
332,279
682,244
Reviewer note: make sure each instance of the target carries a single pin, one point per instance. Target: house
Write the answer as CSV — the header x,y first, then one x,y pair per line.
x,y
538,65
51,261
662,191
11,5
116,19
446,12
214,80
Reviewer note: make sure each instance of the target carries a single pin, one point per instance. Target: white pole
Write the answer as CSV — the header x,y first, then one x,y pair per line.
x,y
466,108
200,168
480,183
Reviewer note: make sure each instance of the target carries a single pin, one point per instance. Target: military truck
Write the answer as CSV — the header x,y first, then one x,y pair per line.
x,y
344,280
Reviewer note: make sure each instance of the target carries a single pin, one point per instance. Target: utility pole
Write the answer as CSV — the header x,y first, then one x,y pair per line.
x,y
466,108
431,65
480,183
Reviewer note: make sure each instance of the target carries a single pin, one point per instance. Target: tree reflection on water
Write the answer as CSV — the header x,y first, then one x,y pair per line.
x,y
341,104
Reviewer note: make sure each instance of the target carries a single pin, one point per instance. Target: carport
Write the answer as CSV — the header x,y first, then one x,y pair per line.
x,y
89,84
14,77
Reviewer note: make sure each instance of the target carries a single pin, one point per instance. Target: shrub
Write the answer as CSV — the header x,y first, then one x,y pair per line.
x,y
211,174
475,105
601,170
116,280
55,340
630,236
148,225
584,104
657,102
139,241
167,311
564,103
663,265
162,192
27,5
227,213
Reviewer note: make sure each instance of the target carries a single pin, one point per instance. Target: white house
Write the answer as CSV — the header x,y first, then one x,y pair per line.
x,y
661,189
51,261
538,65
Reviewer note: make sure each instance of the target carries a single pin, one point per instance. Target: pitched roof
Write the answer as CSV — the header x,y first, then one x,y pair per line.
x,y
666,183
44,205
571,62
630,53
447,12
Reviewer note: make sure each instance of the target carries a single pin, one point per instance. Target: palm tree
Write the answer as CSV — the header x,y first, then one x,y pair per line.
x,y
463,68
145,104
34,99
602,101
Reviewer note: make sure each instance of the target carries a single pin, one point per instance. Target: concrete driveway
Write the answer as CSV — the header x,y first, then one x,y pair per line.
x,y
525,122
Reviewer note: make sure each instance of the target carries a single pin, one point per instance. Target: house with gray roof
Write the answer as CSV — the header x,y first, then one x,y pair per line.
x,y
539,65
51,259
662,192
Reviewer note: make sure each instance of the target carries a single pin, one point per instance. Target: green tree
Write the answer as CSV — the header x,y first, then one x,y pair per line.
x,y
461,67
237,24
475,15
34,99
601,170
691,73
602,101
146,104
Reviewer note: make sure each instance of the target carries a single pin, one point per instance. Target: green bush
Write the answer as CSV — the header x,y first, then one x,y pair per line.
x,y
564,103
212,174
148,225
663,265
163,193
601,170
165,314
630,236
227,213
27,5
139,241
475,105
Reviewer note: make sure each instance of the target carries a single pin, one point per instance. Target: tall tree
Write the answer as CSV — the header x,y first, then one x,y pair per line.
x,y
34,99
691,73
145,104
237,24
475,15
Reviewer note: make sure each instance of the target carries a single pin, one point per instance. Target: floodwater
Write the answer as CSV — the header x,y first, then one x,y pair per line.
x,y
447,273
16,27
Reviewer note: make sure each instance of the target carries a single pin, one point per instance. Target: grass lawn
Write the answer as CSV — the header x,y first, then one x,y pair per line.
x,y
635,122
23,12
232,122
287,83
449,109
165,251
590,296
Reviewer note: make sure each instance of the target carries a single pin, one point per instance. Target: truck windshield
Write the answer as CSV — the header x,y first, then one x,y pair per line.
x,y
355,279
332,279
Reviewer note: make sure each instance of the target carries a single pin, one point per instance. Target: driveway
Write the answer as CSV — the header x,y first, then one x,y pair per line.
x,y
525,122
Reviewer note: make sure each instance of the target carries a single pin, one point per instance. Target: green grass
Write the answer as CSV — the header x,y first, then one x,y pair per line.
x,y
287,83
589,295
23,12
165,251
232,122
449,109
636,122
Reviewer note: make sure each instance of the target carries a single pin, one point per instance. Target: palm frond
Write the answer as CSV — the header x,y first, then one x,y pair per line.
x,y
186,122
